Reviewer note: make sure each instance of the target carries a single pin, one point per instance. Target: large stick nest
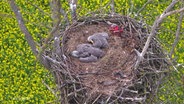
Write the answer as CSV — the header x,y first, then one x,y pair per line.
x,y
112,79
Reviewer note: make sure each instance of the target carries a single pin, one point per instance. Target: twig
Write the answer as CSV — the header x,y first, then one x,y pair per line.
x,y
170,6
155,26
73,7
177,34
131,91
54,61
97,99
120,95
112,7
37,7
133,99
171,12
50,89
55,6
57,47
131,8
65,16
108,100
73,93
144,6
22,26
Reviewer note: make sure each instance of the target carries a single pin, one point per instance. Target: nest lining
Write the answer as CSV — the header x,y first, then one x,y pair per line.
x,y
112,79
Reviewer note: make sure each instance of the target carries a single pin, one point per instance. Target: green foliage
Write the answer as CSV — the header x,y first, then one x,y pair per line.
x,y
21,77
172,89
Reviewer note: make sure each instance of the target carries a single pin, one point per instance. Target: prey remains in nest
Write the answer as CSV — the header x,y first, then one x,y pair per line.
x,y
112,78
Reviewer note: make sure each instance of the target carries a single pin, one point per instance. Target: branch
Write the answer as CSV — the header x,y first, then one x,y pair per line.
x,y
154,27
50,89
172,12
112,7
37,7
130,11
170,6
65,16
22,26
73,7
149,1
54,61
177,34
55,8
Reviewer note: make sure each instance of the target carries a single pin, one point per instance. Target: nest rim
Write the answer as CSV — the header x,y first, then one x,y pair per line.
x,y
141,76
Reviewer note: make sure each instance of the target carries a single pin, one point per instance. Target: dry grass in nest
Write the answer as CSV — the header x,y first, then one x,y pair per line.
x,y
112,79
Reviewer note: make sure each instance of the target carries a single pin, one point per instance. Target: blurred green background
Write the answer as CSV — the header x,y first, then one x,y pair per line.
x,y
23,79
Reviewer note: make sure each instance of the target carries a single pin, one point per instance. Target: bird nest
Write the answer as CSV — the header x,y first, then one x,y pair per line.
x,y
112,79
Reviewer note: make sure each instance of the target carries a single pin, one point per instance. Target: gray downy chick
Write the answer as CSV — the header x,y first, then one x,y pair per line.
x,y
81,51
89,59
86,50
99,40
79,54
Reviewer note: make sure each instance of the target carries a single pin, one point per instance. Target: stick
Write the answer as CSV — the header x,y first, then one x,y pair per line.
x,y
177,33
112,7
155,26
73,7
22,26
55,7
144,6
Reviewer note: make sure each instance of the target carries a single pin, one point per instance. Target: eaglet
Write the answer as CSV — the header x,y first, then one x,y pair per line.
x,y
87,53
99,40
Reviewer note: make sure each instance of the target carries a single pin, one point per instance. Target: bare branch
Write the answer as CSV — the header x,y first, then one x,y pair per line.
x,y
112,7
177,31
131,99
54,61
154,27
55,8
130,11
170,6
65,16
177,34
37,7
50,89
149,1
73,7
22,26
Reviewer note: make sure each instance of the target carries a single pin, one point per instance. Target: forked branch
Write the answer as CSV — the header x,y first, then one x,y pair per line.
x,y
177,32
156,24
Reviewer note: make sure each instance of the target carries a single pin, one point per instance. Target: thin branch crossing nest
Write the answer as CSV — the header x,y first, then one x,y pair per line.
x,y
112,79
